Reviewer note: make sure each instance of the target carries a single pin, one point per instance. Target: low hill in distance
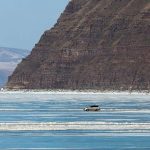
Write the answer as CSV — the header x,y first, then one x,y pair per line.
x,y
9,58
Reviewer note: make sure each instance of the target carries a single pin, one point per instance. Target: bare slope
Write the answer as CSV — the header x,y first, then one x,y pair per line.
x,y
96,44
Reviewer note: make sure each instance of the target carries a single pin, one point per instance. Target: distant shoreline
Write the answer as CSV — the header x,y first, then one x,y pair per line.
x,y
59,91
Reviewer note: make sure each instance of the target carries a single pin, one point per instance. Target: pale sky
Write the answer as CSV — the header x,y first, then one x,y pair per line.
x,y
22,22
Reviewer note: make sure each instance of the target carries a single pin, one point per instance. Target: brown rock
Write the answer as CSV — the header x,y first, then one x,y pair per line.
x,y
96,44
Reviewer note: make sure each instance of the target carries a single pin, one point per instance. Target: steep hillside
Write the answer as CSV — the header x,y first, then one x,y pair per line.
x,y
96,44
9,58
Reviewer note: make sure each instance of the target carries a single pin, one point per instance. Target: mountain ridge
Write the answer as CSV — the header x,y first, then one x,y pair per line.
x,y
95,44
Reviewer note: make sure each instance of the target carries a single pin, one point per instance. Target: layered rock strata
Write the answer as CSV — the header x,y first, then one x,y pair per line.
x,y
95,44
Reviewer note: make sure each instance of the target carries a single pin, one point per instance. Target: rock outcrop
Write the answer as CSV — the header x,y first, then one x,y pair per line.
x,y
95,44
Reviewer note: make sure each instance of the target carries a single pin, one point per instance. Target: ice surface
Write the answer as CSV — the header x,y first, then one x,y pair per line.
x,y
73,126
56,120
63,110
72,95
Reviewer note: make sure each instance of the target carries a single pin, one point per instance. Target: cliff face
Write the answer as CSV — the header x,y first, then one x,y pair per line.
x,y
95,44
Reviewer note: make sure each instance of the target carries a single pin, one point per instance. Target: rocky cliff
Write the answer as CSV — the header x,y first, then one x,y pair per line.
x,y
95,44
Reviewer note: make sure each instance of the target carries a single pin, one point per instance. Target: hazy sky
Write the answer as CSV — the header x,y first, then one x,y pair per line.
x,y
22,22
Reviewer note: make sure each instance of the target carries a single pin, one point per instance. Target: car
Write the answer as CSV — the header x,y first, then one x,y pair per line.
x,y
92,108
